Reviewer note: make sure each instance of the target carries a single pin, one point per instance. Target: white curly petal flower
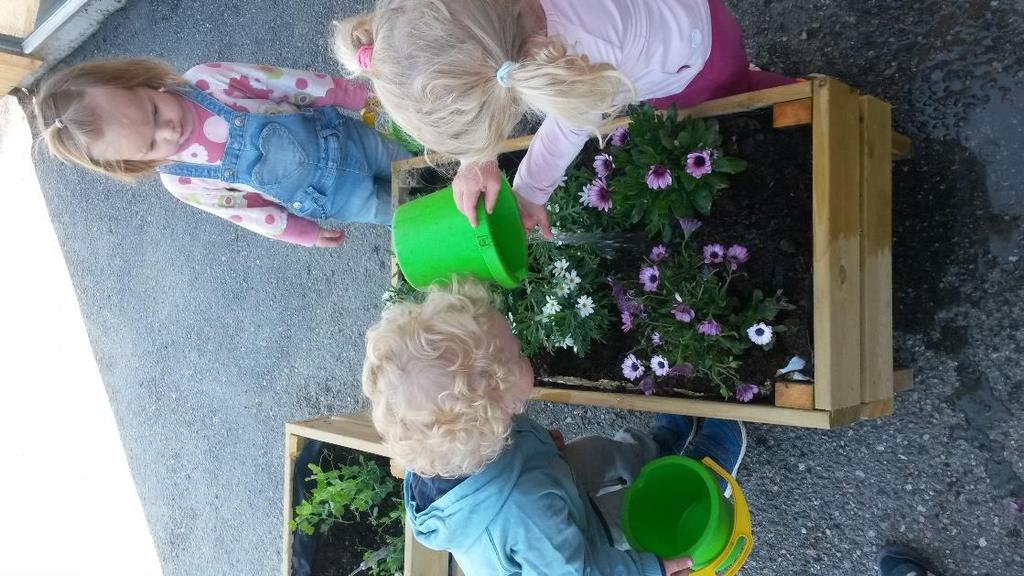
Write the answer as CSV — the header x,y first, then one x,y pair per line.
x,y
585,306
560,267
552,307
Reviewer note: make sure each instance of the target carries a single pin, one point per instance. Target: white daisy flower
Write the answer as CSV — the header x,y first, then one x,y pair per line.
x,y
569,342
560,267
760,334
552,307
659,365
572,280
585,306
563,289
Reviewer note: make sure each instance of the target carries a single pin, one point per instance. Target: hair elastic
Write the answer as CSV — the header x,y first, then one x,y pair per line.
x,y
503,72
364,56
58,123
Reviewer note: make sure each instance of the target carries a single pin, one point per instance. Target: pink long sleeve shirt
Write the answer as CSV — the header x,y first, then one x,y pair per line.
x,y
660,45
261,90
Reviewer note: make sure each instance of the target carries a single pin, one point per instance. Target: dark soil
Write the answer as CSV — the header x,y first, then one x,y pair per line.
x,y
341,549
768,210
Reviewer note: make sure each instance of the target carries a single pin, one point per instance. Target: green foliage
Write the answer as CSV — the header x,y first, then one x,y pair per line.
x,y
666,140
688,283
359,491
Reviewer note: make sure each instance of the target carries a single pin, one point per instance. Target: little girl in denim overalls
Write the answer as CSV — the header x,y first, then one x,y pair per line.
x,y
267,147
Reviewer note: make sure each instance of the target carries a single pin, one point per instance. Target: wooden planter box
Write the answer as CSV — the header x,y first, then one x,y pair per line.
x,y
356,432
853,147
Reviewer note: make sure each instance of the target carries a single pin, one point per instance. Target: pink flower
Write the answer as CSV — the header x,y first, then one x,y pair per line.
x,y
698,163
632,368
647,385
627,321
746,392
659,177
650,277
603,165
658,253
619,137
714,254
709,328
597,195
736,255
683,313
689,226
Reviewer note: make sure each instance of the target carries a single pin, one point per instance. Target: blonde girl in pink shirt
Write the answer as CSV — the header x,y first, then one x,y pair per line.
x,y
458,75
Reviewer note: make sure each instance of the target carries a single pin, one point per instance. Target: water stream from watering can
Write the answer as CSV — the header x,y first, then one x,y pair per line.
x,y
607,242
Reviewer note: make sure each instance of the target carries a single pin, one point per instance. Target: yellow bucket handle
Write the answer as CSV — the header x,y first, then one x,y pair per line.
x,y
740,528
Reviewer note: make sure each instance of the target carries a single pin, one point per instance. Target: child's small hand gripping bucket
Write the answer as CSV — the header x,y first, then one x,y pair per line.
x,y
433,240
675,509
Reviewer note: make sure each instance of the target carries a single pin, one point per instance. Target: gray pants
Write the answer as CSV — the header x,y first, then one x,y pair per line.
x,y
603,467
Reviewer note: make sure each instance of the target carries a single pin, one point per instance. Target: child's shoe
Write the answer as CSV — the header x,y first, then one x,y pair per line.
x,y
725,441
897,560
673,433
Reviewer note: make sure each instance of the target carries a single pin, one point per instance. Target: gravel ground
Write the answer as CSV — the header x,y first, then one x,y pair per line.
x,y
210,338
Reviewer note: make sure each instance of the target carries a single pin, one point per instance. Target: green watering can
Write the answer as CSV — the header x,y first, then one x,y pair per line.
x,y
434,241
675,509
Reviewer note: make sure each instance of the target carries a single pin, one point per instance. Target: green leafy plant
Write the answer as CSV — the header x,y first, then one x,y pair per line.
x,y
667,168
688,322
356,491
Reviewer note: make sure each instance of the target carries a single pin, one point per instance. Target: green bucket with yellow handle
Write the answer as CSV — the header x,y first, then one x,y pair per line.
x,y
434,241
676,509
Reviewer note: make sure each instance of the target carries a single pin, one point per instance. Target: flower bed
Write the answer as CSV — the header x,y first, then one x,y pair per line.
x,y
682,316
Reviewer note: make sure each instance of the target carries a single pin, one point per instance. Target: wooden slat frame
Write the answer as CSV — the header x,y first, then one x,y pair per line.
x,y
836,244
835,118
876,249
14,68
354,431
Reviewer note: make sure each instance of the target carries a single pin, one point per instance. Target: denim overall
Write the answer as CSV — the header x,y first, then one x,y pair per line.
x,y
317,163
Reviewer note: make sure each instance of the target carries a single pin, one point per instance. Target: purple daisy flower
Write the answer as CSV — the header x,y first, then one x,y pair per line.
x,y
650,277
658,253
736,255
632,368
659,365
627,321
659,177
647,385
714,254
597,195
657,339
603,165
698,163
746,392
709,328
619,137
685,370
683,313
689,226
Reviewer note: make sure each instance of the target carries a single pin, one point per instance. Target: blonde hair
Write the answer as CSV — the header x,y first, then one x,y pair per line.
x,y
68,125
443,391
435,66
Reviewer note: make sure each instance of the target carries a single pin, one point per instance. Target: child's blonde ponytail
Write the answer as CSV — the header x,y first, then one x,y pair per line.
x,y
436,68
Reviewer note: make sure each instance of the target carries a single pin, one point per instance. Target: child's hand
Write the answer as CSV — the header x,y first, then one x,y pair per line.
x,y
330,238
534,216
677,567
473,179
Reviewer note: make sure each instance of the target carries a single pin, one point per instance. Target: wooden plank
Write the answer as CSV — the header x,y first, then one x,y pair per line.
x,y
766,414
869,411
902,146
18,17
292,446
836,259
798,395
903,379
353,431
422,561
792,113
13,68
876,249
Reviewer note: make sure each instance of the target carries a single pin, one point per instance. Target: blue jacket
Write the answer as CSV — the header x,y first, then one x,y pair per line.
x,y
522,514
